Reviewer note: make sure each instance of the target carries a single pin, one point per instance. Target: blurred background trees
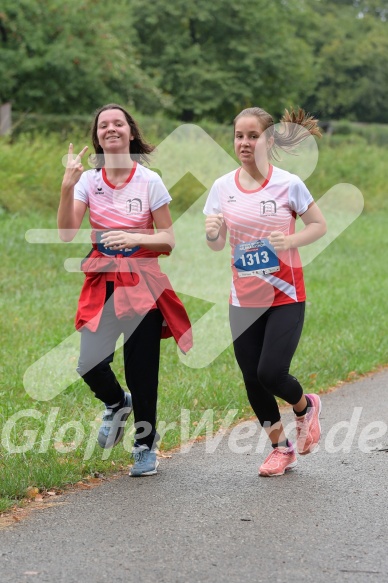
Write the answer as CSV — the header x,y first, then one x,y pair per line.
x,y
193,61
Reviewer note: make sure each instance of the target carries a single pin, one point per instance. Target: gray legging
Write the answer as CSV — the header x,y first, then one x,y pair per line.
x,y
141,363
264,343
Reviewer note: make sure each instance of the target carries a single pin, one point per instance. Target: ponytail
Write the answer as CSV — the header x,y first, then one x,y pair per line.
x,y
295,127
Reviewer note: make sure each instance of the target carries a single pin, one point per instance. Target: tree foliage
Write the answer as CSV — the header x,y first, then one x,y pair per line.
x,y
214,58
67,56
352,79
196,60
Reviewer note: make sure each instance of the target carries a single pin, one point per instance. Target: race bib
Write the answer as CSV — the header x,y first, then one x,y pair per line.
x,y
255,257
113,252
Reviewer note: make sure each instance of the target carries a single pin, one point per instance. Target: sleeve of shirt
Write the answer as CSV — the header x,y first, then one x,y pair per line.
x,y
299,196
81,189
212,205
158,193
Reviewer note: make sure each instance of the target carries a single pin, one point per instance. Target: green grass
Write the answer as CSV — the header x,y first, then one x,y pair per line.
x,y
346,319
345,329
31,169
354,161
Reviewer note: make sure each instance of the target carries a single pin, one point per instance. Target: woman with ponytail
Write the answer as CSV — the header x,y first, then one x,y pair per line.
x,y
256,206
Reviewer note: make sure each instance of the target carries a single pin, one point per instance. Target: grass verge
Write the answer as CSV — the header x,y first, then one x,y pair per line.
x,y
48,444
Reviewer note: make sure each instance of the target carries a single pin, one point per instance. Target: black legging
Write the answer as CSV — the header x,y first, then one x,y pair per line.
x,y
141,364
264,343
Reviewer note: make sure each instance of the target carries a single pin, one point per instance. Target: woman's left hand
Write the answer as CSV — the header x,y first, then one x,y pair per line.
x,y
120,240
279,241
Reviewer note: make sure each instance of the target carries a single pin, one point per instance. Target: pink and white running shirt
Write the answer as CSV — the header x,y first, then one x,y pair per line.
x,y
126,207
252,215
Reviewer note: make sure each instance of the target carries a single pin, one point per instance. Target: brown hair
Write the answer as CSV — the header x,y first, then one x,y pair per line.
x,y
291,135
136,146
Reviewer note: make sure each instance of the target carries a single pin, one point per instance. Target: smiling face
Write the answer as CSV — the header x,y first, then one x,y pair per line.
x,y
250,142
113,131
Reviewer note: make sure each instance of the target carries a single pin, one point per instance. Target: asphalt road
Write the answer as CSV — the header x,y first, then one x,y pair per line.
x,y
208,517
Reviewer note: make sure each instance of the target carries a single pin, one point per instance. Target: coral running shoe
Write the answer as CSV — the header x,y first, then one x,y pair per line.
x,y
279,461
308,428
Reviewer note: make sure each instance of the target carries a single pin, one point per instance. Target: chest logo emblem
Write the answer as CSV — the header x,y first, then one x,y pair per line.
x,y
268,208
134,205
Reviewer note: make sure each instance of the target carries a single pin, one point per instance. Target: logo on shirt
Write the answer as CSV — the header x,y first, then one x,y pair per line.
x,y
99,191
231,198
268,208
134,205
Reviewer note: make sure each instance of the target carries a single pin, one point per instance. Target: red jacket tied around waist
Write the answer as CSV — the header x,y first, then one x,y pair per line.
x,y
139,286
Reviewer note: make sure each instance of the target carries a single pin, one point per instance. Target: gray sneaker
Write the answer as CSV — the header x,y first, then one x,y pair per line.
x,y
145,461
113,423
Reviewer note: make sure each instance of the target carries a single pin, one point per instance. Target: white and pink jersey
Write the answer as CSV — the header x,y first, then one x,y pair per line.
x,y
129,206
252,215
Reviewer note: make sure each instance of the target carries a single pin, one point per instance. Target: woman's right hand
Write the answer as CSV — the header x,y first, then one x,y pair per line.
x,y
213,224
74,168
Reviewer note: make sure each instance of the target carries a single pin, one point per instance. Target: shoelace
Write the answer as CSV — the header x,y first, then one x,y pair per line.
x,y
302,427
276,453
139,456
108,415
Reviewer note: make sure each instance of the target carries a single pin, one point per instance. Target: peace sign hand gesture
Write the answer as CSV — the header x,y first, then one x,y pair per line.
x,y
74,168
